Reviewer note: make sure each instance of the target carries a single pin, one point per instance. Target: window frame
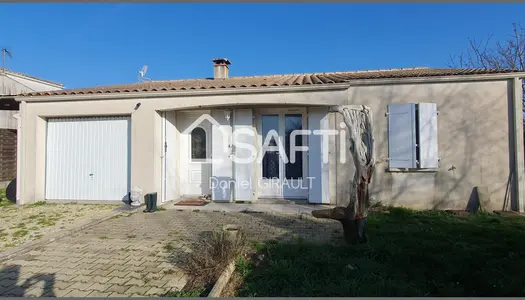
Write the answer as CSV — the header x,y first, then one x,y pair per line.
x,y
417,131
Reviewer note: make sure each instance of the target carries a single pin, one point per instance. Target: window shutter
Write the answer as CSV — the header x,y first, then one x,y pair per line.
x,y
428,135
402,135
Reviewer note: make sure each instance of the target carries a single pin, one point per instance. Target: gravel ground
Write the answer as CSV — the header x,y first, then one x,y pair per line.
x,y
21,224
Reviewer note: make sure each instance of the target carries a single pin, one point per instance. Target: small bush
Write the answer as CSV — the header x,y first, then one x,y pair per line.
x,y
211,257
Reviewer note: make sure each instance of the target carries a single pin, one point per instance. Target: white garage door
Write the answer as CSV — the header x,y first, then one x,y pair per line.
x,y
88,158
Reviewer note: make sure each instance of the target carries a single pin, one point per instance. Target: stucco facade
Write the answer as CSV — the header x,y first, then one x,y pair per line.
x,y
477,130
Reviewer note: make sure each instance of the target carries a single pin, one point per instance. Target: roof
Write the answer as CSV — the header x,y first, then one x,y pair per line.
x,y
268,81
7,71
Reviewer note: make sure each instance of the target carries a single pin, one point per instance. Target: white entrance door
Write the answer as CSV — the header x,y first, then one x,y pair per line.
x,y
88,158
195,153
282,173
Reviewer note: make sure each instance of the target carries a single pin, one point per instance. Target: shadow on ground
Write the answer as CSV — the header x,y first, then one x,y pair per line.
x,y
37,285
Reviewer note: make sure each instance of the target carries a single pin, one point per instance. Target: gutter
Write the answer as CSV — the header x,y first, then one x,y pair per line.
x,y
438,79
19,154
191,93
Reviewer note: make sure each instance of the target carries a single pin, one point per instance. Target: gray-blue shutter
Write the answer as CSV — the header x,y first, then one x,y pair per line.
x,y
428,136
402,135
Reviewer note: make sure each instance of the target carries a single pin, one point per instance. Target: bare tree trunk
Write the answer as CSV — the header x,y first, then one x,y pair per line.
x,y
358,119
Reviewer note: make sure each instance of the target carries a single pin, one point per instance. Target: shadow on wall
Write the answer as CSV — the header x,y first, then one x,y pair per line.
x,y
471,146
38,285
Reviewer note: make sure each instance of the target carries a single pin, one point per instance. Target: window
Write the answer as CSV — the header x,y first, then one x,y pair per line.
x,y
413,136
198,143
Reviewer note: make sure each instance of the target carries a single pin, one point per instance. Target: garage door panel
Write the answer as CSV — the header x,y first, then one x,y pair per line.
x,y
88,158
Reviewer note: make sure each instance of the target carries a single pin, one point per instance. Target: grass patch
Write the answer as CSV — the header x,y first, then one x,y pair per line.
x,y
103,237
131,236
169,247
20,233
3,199
9,245
19,225
160,208
409,253
46,222
36,204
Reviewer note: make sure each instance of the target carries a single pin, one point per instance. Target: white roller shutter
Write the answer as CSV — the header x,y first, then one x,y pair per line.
x,y
88,158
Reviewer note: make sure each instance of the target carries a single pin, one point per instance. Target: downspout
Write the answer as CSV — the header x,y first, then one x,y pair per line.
x,y
163,158
519,167
19,152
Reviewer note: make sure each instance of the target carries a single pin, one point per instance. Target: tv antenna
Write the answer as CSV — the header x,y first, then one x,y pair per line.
x,y
142,74
4,52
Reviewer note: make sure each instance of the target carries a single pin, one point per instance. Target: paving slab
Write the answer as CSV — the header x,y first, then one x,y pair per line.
x,y
140,254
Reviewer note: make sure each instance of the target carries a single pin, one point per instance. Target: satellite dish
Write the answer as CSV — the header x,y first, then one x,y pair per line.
x,y
142,73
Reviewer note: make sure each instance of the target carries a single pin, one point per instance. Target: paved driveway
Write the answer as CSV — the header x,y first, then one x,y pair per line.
x,y
138,254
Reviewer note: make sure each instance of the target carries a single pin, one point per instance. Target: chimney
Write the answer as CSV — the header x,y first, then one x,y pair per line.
x,y
220,68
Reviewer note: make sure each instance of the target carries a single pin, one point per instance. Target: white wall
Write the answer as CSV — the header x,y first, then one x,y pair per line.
x,y
7,121
15,84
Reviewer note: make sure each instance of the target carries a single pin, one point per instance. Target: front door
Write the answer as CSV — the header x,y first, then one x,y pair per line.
x,y
195,153
282,172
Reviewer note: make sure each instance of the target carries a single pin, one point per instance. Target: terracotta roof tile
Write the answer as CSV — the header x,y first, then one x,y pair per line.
x,y
267,81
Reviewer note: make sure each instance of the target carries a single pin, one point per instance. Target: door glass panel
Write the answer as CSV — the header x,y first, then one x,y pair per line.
x,y
270,162
293,170
198,143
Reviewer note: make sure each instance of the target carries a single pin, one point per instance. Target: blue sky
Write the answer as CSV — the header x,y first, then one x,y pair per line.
x,y
83,45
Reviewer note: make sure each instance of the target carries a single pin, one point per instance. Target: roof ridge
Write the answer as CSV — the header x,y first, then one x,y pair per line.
x,y
297,74
271,80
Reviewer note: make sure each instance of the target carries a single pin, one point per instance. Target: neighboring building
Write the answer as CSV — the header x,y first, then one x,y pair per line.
x,y
11,84
96,143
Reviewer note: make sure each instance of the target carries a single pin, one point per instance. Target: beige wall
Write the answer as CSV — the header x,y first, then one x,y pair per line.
x,y
146,133
473,142
473,137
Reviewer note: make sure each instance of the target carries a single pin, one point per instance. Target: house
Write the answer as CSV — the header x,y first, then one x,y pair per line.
x,y
439,134
14,83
